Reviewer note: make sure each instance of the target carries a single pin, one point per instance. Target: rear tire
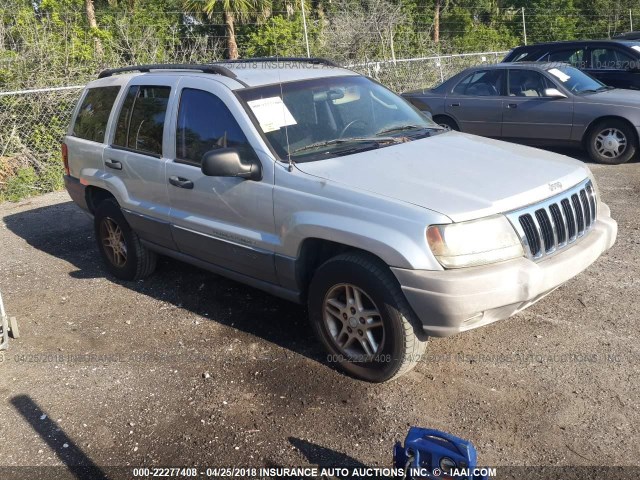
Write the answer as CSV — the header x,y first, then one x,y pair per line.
x,y
611,142
362,318
120,247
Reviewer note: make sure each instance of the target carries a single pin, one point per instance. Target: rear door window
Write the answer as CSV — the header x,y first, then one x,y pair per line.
x,y
610,59
204,124
92,118
141,120
485,83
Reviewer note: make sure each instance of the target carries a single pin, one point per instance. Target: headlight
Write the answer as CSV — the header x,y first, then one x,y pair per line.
x,y
478,242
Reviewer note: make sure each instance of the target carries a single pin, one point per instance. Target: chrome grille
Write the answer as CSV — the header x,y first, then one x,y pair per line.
x,y
549,226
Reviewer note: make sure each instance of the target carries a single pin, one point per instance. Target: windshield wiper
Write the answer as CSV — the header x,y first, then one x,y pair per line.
x,y
399,128
599,89
338,141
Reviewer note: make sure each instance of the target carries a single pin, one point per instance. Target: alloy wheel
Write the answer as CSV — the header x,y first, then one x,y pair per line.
x,y
114,243
354,321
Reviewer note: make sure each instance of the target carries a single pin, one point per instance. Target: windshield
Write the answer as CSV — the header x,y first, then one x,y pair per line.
x,y
327,117
575,80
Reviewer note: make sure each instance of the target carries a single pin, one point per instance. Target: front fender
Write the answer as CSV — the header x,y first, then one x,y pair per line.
x,y
398,247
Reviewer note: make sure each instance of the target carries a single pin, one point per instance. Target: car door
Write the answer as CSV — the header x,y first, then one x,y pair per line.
x,y
225,221
530,114
476,103
614,67
134,160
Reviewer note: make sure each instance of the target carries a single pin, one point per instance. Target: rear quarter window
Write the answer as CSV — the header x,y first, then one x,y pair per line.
x,y
141,121
92,118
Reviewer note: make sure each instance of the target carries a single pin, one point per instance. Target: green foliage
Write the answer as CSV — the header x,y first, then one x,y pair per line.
x,y
551,20
21,185
277,36
484,38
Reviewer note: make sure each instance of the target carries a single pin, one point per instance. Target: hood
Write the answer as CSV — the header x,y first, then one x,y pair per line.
x,y
459,175
617,96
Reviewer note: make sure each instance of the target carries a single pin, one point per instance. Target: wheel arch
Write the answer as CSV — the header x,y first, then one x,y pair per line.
x,y
448,117
315,251
95,196
589,130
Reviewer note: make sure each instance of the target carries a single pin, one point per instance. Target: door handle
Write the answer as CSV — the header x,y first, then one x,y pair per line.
x,y
116,165
512,105
454,105
181,182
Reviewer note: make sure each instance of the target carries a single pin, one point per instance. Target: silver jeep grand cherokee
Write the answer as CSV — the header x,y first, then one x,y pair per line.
x,y
321,186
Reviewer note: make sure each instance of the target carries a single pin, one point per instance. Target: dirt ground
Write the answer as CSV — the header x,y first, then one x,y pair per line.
x,y
190,368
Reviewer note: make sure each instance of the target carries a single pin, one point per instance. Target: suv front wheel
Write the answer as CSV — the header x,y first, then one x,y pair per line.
x,y
124,255
360,315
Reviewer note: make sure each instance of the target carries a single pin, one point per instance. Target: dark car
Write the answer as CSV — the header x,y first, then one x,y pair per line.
x,y
539,104
628,36
613,62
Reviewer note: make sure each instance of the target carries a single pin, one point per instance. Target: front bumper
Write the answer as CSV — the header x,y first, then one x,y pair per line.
x,y
452,301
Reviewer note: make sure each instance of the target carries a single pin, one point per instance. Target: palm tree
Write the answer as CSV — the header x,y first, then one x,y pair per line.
x,y
231,10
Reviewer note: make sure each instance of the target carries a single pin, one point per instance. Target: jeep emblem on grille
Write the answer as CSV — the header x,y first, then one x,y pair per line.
x,y
555,186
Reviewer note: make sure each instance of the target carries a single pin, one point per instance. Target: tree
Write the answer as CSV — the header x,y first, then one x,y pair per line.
x,y
436,22
231,10
93,24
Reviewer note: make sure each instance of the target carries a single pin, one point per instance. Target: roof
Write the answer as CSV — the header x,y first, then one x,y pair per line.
x,y
240,74
258,74
628,36
512,65
578,42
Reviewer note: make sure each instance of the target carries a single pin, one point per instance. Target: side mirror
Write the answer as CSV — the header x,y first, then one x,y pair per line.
x,y
553,93
225,162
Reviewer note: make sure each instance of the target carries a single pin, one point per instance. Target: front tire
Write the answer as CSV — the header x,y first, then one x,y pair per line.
x,y
120,247
362,318
447,122
611,142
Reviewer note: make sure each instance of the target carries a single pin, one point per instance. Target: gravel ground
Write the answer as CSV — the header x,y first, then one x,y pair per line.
x,y
190,368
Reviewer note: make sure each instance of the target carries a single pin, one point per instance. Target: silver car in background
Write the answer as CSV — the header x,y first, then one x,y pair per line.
x,y
550,104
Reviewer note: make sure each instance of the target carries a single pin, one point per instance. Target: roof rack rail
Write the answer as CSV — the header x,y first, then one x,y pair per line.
x,y
216,69
312,60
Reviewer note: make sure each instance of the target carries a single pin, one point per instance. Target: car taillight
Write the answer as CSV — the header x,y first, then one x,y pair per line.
x,y
65,158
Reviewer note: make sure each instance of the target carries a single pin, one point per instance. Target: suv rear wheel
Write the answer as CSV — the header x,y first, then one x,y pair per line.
x,y
124,255
360,315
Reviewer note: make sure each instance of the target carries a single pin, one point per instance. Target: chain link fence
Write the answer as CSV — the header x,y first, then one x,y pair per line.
x,y
33,122
425,72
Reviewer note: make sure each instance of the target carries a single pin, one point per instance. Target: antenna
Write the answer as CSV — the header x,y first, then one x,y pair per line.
x,y
286,127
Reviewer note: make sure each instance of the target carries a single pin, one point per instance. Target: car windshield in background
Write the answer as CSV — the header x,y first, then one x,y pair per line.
x,y
327,117
575,80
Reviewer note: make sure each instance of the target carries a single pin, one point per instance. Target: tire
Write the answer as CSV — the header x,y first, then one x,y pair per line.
x,y
130,260
613,131
448,122
393,348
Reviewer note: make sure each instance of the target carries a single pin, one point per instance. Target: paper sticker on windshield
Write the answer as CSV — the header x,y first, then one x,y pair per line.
x,y
271,113
557,73
636,48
